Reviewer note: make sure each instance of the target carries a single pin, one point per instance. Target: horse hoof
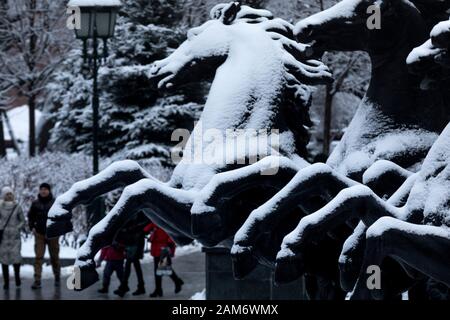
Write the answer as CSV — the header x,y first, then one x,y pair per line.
x,y
348,275
57,228
87,275
288,270
243,263
206,227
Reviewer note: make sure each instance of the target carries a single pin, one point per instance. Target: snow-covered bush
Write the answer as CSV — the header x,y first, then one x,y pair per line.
x,y
60,170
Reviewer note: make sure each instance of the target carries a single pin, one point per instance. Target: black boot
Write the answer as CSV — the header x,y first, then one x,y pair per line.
x,y
156,293
178,285
36,285
140,290
122,290
17,275
5,271
103,290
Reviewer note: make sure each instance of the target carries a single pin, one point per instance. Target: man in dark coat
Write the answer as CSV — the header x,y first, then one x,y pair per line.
x,y
37,221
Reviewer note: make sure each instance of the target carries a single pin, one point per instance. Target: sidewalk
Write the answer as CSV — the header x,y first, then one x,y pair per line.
x,y
190,267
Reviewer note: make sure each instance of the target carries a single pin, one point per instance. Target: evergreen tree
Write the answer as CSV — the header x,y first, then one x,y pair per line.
x,y
136,120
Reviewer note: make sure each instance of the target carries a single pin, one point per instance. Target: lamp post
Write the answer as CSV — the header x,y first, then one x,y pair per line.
x,y
97,20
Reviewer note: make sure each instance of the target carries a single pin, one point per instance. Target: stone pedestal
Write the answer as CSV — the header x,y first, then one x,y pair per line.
x,y
259,285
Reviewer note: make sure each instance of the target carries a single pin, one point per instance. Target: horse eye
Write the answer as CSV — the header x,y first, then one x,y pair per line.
x,y
192,33
217,14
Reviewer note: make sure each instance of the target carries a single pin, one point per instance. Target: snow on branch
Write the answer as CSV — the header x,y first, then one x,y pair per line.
x,y
95,3
440,35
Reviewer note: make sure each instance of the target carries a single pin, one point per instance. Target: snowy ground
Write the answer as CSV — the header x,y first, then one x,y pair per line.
x,y
199,295
190,267
18,118
70,253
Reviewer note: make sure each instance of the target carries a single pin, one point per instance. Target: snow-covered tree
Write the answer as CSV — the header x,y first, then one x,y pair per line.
x,y
195,12
136,121
159,12
352,74
34,42
333,101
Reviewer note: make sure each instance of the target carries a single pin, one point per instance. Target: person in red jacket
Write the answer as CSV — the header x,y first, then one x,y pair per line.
x,y
114,256
160,243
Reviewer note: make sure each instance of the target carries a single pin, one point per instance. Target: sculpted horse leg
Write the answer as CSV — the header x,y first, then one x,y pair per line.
x,y
422,247
358,201
385,177
351,257
118,174
164,205
316,180
212,219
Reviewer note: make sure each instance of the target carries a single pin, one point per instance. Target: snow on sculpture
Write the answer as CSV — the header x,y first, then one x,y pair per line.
x,y
432,58
416,235
394,128
259,86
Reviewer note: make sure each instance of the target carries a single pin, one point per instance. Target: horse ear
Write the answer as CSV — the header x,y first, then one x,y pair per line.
x,y
386,5
216,11
230,12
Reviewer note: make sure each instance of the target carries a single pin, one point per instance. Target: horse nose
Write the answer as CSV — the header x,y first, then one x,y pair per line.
x,y
303,32
309,51
193,33
154,69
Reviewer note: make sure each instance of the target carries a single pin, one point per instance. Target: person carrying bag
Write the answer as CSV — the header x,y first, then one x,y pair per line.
x,y
2,230
162,250
12,222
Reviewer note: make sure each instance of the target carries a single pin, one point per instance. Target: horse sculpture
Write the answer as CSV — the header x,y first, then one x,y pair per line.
x,y
392,131
259,86
412,227
416,235
422,202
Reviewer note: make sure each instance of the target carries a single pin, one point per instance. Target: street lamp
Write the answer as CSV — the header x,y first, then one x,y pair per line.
x,y
97,20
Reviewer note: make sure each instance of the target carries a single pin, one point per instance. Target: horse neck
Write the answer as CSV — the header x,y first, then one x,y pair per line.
x,y
245,91
396,92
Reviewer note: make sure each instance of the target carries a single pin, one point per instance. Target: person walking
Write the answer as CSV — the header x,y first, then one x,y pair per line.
x,y
37,220
114,255
133,237
161,242
12,222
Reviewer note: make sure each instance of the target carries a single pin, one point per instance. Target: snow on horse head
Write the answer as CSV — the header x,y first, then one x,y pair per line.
x,y
259,85
432,58
397,120
259,82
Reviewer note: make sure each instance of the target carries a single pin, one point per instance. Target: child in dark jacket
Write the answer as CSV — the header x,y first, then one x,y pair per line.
x,y
114,256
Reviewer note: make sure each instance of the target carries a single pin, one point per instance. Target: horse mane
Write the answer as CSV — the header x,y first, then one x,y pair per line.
x,y
433,11
295,101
